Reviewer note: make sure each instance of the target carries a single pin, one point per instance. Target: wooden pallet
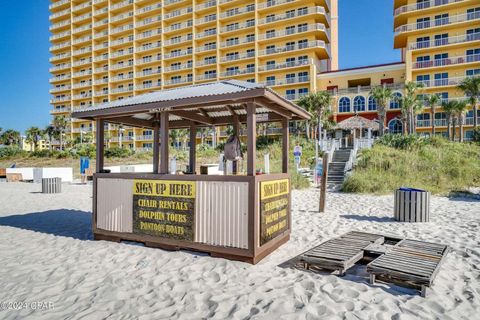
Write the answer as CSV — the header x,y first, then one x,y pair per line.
x,y
410,263
339,254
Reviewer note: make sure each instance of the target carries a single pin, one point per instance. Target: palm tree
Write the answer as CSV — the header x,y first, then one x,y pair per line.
x,y
449,109
318,103
460,110
60,125
50,133
382,95
432,101
411,104
471,88
34,135
11,137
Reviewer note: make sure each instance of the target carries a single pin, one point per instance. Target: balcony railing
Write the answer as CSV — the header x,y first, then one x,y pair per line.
x,y
423,5
238,26
60,78
437,22
122,89
59,110
367,89
144,137
122,53
82,51
206,62
62,66
447,61
444,41
205,34
82,17
177,27
81,40
58,4
442,82
122,28
82,62
148,86
122,16
60,46
237,11
60,88
60,56
207,76
179,40
148,8
297,46
82,84
59,14
60,99
121,4
284,65
183,66
178,13
178,81
59,25
295,96
121,77
82,73
148,60
121,65
100,34
296,30
236,72
293,14
206,48
101,11
82,6
234,57
206,5
148,34
148,21
60,35
292,80
180,53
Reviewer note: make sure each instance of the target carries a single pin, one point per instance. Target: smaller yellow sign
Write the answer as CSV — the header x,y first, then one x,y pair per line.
x,y
164,188
271,189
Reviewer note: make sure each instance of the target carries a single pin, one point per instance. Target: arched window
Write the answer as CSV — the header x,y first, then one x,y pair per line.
x,y
395,103
359,103
344,105
372,104
395,126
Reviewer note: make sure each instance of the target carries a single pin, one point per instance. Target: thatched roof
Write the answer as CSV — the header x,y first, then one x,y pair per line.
x,y
357,122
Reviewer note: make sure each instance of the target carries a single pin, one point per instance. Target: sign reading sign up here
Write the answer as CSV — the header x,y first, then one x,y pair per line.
x,y
164,208
274,206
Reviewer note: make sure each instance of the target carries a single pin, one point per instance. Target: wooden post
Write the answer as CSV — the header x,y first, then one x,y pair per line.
x,y
251,138
285,145
193,148
323,186
164,142
156,144
100,144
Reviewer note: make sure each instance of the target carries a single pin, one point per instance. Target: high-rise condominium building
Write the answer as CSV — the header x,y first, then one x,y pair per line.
x,y
104,50
440,42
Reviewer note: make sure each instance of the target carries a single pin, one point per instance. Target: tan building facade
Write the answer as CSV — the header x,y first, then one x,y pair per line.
x,y
105,50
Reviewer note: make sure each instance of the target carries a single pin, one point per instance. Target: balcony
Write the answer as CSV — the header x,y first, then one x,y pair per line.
x,y
176,67
441,82
148,60
82,62
237,72
177,13
122,89
82,85
148,73
278,3
297,46
60,99
447,62
176,54
123,28
82,51
235,57
82,40
121,78
120,66
287,81
236,42
121,4
62,66
178,81
403,31
205,48
237,26
444,42
100,81
148,47
60,46
366,89
298,13
121,53
144,137
60,35
207,76
59,25
148,9
82,17
60,78
82,6
205,34
294,31
60,89
177,27
60,57
285,65
148,21
82,73
58,4
100,58
237,11
148,34
207,62
206,5
122,16
178,40
295,96
60,14
422,6
100,11
148,86
60,110
100,93
101,34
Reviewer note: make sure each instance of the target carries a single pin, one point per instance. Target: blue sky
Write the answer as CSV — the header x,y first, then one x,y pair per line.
x,y
365,38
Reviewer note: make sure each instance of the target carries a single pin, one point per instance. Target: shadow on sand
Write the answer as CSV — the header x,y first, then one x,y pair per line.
x,y
66,223
367,218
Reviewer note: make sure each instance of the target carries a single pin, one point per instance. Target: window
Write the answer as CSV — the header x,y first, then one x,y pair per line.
x,y
290,77
290,94
303,76
441,19
443,96
423,23
473,13
441,39
270,81
302,92
423,120
290,46
424,79
441,79
372,104
423,62
395,126
302,27
270,34
441,59
472,72
290,30
270,65
359,104
302,11
302,44
423,4
473,55
423,42
473,34
270,49
344,104
395,103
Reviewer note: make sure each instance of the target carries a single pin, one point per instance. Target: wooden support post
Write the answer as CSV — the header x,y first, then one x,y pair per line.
x,y
156,144
251,138
285,144
236,132
323,186
100,144
164,142
193,148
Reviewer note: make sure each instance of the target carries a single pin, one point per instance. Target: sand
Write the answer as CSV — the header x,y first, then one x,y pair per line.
x,y
47,257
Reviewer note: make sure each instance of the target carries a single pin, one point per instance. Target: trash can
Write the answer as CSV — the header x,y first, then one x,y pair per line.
x,y
411,205
51,185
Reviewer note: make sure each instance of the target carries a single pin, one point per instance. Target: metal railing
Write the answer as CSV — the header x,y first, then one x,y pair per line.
x,y
446,61
437,22
423,5
296,30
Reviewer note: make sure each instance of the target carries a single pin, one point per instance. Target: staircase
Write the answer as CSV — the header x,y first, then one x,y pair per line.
x,y
336,169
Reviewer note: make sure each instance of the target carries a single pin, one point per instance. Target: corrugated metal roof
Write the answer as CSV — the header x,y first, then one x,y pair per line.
x,y
192,91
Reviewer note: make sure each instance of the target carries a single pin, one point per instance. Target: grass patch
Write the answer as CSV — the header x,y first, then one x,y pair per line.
x,y
433,164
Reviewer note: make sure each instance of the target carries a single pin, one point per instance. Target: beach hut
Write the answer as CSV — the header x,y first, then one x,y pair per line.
x,y
355,127
238,216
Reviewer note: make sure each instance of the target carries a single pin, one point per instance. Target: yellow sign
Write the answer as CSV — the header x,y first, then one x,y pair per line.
x,y
164,188
271,189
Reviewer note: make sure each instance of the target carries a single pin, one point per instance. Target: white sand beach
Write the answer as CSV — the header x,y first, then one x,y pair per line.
x,y
47,255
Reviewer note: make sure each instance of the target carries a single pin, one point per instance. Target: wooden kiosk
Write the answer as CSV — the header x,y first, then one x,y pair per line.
x,y
241,217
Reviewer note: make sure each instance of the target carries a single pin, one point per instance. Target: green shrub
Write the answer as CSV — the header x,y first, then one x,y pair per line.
x,y
476,135
83,150
117,152
404,142
11,151
298,181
